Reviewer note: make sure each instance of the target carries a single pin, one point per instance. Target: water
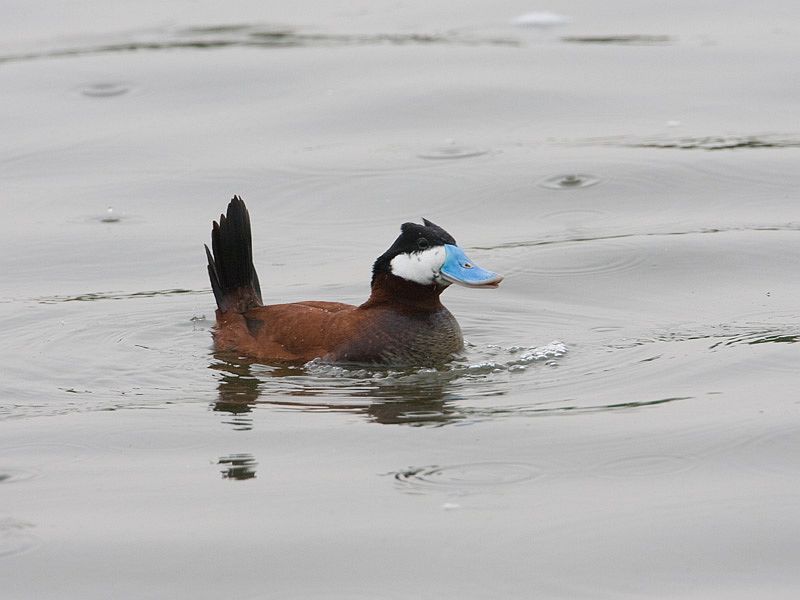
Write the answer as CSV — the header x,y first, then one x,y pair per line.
x,y
624,421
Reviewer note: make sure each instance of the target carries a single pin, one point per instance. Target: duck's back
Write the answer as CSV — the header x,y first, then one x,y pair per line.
x,y
298,331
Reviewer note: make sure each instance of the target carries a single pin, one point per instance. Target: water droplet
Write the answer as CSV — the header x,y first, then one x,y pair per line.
x,y
569,181
110,216
467,476
105,89
451,150
541,19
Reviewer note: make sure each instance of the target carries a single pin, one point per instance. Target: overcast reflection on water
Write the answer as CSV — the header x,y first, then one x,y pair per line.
x,y
623,421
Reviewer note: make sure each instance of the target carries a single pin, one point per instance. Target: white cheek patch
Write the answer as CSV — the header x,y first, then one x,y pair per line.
x,y
420,267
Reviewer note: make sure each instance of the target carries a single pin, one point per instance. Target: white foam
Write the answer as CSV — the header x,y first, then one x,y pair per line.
x,y
551,350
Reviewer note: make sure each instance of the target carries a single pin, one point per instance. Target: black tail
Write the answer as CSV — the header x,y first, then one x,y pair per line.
x,y
233,276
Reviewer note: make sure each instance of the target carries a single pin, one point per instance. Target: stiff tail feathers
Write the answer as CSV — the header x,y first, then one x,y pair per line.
x,y
230,266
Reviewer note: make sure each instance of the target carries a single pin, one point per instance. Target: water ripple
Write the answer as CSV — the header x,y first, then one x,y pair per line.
x,y
15,537
254,36
465,478
568,408
106,89
643,466
770,336
626,40
792,226
571,259
95,296
725,335
708,142
10,475
75,357
777,451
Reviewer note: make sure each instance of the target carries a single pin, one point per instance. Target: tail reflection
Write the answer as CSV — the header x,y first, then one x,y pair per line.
x,y
238,466
238,393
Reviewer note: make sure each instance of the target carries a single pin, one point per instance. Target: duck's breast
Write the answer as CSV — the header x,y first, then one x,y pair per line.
x,y
401,338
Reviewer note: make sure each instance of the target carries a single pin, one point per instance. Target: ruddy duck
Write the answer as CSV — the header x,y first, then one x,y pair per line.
x,y
402,323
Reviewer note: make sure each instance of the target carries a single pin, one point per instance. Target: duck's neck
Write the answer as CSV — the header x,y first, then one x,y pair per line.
x,y
389,289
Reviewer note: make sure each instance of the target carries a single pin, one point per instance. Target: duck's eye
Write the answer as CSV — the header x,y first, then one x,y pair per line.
x,y
423,244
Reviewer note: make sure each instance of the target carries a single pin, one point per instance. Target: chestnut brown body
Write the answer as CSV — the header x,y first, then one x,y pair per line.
x,y
402,323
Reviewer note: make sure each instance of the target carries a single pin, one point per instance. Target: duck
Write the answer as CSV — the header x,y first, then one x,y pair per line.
x,y
402,323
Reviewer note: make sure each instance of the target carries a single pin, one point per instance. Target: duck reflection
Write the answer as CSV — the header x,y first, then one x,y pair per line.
x,y
408,404
239,467
238,392
407,399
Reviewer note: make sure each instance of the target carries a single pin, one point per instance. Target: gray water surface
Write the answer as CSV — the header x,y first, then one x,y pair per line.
x,y
624,422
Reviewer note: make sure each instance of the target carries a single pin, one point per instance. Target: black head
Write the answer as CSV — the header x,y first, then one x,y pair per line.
x,y
413,238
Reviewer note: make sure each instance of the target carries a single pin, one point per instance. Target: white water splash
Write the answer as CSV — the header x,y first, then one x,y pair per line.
x,y
511,359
